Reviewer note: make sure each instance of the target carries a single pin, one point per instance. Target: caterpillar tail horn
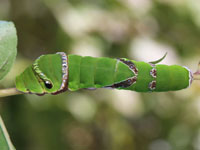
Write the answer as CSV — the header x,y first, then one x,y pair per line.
x,y
196,75
159,60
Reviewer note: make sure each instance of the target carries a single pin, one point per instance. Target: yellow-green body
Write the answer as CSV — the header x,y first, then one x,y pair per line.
x,y
90,72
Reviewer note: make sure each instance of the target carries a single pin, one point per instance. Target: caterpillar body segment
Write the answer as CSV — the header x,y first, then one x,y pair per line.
x,y
90,72
144,77
172,78
56,73
44,76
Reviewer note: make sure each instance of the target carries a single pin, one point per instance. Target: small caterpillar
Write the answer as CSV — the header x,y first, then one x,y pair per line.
x,y
56,73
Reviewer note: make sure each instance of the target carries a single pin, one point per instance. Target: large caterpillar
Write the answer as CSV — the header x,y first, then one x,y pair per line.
x,y
56,73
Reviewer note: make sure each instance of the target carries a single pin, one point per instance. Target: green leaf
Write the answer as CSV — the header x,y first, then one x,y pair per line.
x,y
8,47
5,143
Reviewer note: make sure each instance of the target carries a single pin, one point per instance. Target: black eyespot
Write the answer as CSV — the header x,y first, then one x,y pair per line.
x,y
48,85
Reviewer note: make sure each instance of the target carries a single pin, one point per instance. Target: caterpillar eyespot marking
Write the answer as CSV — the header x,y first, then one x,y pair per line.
x,y
48,84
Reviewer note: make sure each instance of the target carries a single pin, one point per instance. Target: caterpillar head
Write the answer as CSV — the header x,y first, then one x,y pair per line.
x,y
48,74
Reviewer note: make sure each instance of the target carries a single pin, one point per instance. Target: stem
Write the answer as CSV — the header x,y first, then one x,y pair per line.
x,y
9,92
196,75
2,126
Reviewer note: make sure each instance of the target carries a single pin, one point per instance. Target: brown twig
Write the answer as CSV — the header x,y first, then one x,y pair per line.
x,y
9,92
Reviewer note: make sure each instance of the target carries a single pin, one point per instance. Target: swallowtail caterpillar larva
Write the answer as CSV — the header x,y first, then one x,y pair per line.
x,y
56,73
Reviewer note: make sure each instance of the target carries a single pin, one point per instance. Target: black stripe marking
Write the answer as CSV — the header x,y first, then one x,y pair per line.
x,y
129,81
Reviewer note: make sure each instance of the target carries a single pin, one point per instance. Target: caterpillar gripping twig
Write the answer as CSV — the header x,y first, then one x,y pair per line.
x,y
56,73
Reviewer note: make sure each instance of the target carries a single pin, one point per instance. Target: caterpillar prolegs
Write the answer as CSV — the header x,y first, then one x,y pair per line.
x,y
56,73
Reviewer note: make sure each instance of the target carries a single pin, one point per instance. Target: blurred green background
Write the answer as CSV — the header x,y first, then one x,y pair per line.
x,y
105,119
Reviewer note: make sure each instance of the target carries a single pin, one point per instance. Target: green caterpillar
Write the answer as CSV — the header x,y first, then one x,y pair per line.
x,y
56,73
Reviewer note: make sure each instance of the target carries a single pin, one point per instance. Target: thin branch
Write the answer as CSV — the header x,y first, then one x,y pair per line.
x,y
9,92
196,75
10,145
